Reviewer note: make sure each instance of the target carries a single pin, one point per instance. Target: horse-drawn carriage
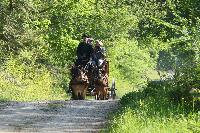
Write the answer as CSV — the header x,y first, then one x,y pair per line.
x,y
91,79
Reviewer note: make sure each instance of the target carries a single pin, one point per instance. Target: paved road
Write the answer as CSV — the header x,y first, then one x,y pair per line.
x,y
55,116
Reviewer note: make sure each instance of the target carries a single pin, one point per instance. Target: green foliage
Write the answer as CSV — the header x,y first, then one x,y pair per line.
x,y
38,40
152,110
176,28
44,35
131,122
130,64
28,82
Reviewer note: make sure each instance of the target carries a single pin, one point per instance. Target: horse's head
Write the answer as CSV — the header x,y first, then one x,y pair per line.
x,y
103,80
79,73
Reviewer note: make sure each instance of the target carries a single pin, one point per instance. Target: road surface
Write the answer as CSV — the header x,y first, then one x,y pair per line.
x,y
74,116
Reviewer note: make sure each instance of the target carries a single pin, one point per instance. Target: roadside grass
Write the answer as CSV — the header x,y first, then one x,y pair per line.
x,y
154,112
132,122
19,82
122,84
31,93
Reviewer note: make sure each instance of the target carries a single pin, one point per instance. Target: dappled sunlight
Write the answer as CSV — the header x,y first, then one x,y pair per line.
x,y
84,115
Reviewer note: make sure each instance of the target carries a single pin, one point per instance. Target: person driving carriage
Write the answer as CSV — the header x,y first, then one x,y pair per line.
x,y
84,51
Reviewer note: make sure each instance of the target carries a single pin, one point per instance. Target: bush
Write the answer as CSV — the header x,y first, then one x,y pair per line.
x,y
22,79
151,110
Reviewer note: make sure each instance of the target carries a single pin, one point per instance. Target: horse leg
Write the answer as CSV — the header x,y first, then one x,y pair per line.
x,y
98,95
84,92
105,90
103,93
80,96
76,92
74,95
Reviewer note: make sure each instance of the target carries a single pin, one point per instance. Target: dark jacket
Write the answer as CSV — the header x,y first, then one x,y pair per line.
x,y
99,52
84,51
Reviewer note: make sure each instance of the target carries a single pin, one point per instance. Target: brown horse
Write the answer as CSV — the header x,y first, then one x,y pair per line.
x,y
79,83
98,79
101,88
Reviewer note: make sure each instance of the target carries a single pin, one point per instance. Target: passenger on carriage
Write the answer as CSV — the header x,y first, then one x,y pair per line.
x,y
84,51
99,53
99,57
87,54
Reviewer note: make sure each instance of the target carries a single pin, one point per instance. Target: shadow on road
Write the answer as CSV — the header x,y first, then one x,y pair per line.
x,y
65,116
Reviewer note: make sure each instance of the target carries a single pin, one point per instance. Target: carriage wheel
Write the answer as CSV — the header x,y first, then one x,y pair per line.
x,y
112,91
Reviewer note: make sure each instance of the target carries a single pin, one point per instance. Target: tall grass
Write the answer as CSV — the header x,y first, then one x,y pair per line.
x,y
28,82
154,112
132,122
